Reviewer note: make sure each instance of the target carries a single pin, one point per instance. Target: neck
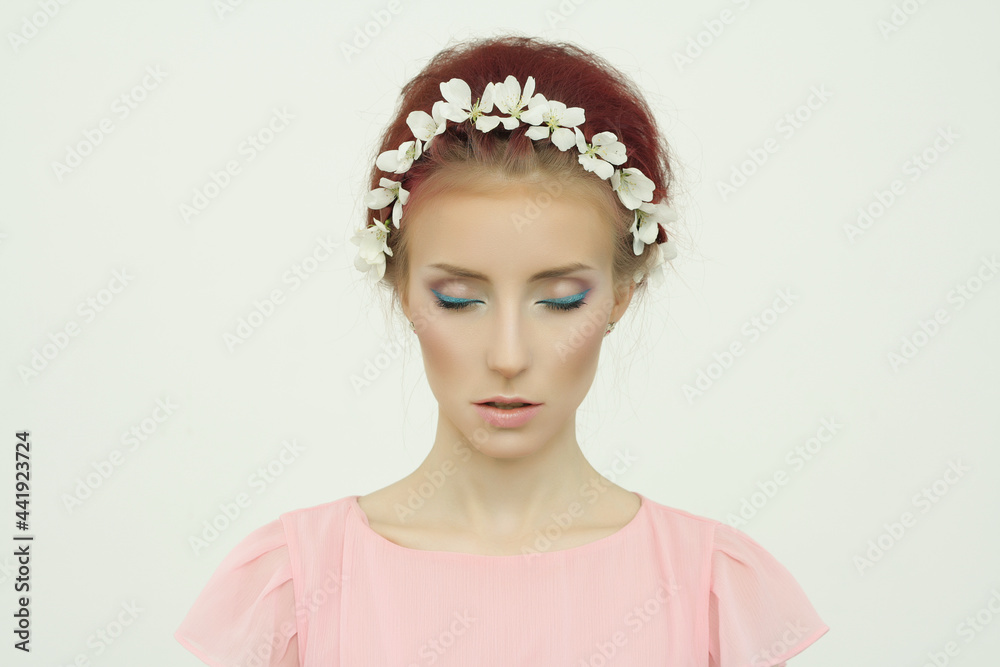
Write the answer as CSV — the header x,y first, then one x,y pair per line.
x,y
504,483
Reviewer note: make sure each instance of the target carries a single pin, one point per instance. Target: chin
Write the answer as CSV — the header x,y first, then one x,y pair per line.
x,y
519,448
507,443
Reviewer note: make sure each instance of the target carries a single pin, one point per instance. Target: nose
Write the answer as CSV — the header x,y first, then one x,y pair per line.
x,y
507,350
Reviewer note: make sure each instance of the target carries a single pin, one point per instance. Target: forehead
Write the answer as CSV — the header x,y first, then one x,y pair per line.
x,y
515,230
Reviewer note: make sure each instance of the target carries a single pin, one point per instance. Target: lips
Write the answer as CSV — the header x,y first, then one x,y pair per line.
x,y
507,417
506,402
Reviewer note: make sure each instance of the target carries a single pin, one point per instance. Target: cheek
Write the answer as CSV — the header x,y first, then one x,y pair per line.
x,y
445,350
575,353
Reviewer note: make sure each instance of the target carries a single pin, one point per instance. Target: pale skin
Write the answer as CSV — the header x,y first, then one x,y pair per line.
x,y
503,484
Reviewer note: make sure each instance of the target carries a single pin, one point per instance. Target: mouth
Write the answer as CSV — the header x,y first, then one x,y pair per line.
x,y
507,415
507,402
505,406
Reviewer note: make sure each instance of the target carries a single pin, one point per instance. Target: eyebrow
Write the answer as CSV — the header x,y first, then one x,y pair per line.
x,y
555,272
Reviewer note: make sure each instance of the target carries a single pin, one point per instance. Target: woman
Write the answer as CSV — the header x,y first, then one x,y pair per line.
x,y
520,201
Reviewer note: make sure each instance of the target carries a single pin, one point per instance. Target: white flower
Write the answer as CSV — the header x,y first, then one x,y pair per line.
x,y
645,226
656,272
509,98
381,197
604,145
658,212
546,119
644,231
426,126
460,106
372,248
632,186
557,118
668,249
399,161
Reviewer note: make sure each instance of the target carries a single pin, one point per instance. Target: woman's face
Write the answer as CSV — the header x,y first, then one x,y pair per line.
x,y
512,321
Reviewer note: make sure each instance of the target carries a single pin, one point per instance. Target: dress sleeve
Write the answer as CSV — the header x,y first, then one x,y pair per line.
x,y
759,616
245,615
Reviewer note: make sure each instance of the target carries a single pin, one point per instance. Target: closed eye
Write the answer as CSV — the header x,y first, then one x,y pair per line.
x,y
562,303
567,302
451,302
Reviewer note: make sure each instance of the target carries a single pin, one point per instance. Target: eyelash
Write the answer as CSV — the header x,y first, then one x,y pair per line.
x,y
551,304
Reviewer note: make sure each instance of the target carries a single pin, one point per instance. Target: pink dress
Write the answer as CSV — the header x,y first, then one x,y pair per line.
x,y
318,587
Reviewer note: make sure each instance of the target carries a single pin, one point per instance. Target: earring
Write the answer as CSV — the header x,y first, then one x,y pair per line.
x,y
412,325
611,327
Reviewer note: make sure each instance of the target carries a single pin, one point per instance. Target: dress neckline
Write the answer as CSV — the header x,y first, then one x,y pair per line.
x,y
607,540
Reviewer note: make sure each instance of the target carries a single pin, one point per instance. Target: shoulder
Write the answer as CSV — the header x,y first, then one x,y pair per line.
x,y
753,601
721,539
281,544
318,513
306,528
680,522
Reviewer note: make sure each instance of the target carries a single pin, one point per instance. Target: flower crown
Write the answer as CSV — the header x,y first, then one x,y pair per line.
x,y
548,119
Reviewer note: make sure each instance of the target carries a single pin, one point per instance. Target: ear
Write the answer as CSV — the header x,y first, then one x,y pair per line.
x,y
404,304
623,297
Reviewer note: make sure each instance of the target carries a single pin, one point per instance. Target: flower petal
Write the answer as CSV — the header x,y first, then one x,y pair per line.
x,y
596,165
508,95
438,115
667,213
535,115
486,102
529,88
563,138
397,213
487,123
572,116
454,113
633,187
648,231
379,198
421,124
668,248
614,153
537,132
388,161
604,138
457,93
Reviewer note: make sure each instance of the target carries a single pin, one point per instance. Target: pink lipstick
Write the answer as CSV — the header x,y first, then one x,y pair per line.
x,y
507,417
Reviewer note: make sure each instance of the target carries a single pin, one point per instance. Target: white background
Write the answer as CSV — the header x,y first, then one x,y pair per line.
x,y
857,301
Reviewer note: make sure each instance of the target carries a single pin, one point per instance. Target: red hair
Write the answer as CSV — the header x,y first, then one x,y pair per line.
x,y
563,72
